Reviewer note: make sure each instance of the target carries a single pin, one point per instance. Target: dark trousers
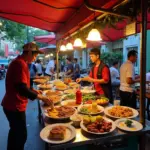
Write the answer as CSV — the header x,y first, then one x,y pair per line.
x,y
17,135
128,99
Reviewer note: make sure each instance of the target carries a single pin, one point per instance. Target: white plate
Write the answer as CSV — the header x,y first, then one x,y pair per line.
x,y
98,107
68,91
64,103
135,112
62,118
70,133
106,119
86,91
44,92
136,126
45,88
59,89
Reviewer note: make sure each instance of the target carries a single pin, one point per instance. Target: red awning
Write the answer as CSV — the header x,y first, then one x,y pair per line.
x,y
62,17
49,39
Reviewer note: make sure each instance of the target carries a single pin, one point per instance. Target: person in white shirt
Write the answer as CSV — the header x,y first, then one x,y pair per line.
x,y
114,74
127,80
148,76
38,67
50,67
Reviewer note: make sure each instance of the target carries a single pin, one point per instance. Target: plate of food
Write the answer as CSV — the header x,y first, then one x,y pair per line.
x,y
121,112
60,112
70,103
52,92
61,87
88,91
128,125
90,109
103,101
57,82
74,85
70,91
97,125
58,133
55,98
69,96
39,81
45,86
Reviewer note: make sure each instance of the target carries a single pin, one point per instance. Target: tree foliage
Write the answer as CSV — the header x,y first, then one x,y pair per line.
x,y
20,34
110,57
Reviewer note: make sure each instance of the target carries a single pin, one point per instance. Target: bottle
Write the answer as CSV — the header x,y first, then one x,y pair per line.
x,y
78,96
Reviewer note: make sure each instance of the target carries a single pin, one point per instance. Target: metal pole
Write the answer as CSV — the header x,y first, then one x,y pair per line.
x,y
144,4
57,59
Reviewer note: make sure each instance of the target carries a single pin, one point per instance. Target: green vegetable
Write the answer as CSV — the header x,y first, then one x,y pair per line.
x,y
70,96
128,123
87,97
84,110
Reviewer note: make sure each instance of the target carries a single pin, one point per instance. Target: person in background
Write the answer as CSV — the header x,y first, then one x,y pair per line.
x,y
76,69
99,75
33,72
16,97
69,71
115,74
148,76
127,80
38,67
50,67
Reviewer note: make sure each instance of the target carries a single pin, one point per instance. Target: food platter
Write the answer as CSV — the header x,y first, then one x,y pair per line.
x,y
52,92
120,112
61,87
55,98
60,112
70,91
73,85
69,135
134,127
39,81
70,103
107,122
44,86
87,91
87,109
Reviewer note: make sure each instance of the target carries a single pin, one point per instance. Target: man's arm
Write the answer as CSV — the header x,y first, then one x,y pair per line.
x,y
105,77
130,74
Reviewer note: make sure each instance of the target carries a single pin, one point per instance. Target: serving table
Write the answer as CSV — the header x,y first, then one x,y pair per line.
x,y
85,140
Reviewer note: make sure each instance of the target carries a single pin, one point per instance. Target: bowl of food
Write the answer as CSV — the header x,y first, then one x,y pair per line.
x,y
103,101
76,119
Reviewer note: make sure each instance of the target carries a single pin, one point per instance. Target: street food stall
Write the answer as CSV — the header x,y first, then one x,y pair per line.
x,y
101,123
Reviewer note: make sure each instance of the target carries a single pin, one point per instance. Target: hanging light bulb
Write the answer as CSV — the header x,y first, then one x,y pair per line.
x,y
78,43
69,46
63,48
94,35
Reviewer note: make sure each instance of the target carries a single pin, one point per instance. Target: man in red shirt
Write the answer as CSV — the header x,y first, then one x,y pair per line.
x,y
99,75
16,97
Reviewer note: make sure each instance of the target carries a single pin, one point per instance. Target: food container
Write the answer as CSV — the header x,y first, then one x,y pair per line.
x,y
76,119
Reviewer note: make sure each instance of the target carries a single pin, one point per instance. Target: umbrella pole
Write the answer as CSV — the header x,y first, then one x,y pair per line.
x,y
144,4
57,63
